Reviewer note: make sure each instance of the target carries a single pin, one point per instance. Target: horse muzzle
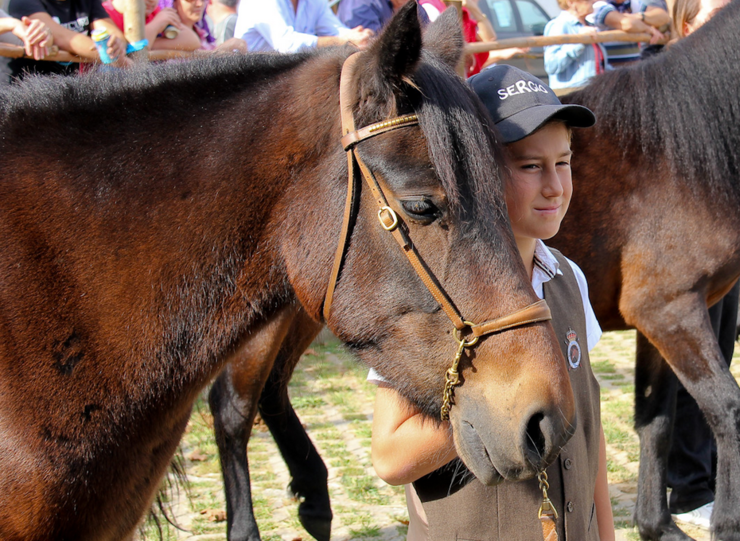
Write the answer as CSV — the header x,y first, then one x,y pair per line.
x,y
507,447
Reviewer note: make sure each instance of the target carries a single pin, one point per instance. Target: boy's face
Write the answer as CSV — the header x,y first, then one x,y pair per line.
x,y
539,191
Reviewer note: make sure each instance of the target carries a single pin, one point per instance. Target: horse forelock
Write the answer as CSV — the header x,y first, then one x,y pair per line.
x,y
681,108
464,152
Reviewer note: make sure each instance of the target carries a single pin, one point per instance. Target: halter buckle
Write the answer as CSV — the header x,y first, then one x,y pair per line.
x,y
388,212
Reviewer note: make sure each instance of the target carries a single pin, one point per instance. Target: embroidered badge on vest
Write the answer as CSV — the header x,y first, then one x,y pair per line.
x,y
573,349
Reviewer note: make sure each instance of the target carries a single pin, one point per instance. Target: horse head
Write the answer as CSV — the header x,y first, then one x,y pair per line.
x,y
442,180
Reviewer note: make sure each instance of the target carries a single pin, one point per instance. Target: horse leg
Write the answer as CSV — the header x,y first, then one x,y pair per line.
x,y
309,476
655,401
682,332
233,400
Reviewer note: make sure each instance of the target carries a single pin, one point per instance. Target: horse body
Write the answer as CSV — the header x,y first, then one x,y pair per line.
x,y
202,213
116,311
655,226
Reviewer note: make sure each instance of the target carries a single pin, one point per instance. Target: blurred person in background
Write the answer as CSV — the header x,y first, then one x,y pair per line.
x,y
572,65
156,20
222,15
688,15
372,14
196,33
618,15
70,24
656,14
33,35
288,26
476,28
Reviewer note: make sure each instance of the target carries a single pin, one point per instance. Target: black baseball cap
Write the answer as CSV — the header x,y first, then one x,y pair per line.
x,y
519,103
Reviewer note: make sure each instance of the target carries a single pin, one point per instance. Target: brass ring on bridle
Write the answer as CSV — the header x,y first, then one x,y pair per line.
x,y
469,342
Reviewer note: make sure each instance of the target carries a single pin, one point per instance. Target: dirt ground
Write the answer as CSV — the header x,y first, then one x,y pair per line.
x,y
334,402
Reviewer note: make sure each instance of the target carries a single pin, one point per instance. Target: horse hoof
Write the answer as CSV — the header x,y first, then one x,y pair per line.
x,y
665,532
319,528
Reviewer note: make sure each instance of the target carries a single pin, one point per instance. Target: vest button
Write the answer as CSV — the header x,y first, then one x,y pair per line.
x,y
568,464
570,507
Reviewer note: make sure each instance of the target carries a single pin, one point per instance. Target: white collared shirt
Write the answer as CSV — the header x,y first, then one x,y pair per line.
x,y
273,25
545,268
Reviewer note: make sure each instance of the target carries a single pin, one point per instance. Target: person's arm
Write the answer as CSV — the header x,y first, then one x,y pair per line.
x,y
186,40
603,502
116,43
656,16
164,18
504,54
232,45
36,36
66,39
633,23
485,29
405,444
358,36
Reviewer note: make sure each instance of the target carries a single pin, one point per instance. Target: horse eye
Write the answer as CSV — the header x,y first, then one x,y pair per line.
x,y
420,209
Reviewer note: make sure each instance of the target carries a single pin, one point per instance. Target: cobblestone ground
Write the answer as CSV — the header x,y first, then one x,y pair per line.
x,y
334,402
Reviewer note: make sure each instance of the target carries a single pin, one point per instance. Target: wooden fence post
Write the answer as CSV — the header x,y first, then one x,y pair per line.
x,y
134,13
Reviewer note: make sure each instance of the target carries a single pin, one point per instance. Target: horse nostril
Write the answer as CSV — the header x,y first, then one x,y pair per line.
x,y
534,440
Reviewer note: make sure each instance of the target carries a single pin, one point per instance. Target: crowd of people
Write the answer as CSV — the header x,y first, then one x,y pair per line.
x,y
292,25
406,449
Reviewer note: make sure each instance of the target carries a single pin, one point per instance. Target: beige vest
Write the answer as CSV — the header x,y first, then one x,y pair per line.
x,y
459,507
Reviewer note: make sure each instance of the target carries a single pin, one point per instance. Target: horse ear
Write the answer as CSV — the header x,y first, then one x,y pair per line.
x,y
444,38
398,49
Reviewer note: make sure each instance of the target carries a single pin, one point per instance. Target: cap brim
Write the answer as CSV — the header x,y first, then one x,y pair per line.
x,y
526,122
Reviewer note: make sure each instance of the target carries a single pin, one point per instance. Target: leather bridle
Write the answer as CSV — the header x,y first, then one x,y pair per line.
x,y
391,222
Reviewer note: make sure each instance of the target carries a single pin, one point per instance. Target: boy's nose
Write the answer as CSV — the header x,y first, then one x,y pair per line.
x,y
552,186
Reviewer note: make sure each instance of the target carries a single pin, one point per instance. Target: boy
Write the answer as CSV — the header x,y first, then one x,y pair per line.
x,y
407,448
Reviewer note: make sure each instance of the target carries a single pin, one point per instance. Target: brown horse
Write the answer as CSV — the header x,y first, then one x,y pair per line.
x,y
157,224
655,225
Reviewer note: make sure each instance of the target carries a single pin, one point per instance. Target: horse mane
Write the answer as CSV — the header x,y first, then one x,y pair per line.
x,y
681,106
144,86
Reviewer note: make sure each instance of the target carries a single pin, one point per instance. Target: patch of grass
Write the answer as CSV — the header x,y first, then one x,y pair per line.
x,y
307,402
603,367
364,431
342,461
615,435
362,488
366,528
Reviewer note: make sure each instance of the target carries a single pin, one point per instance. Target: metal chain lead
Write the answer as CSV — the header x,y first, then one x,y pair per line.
x,y
547,507
452,376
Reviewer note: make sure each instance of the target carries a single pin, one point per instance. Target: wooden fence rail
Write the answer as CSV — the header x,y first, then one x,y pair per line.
x,y
542,41
14,51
